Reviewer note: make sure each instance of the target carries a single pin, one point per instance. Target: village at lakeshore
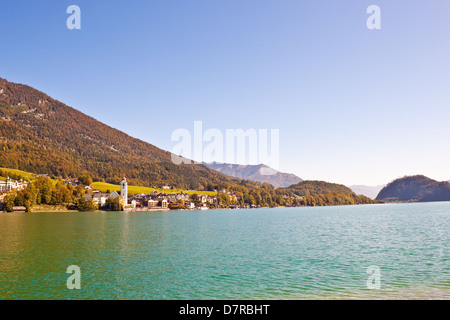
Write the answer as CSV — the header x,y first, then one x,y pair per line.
x,y
22,191
98,195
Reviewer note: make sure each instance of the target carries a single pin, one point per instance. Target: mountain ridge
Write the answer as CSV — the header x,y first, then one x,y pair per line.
x,y
42,135
416,188
256,173
309,187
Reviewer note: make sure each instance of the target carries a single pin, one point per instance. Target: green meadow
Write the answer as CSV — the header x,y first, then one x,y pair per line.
x,y
103,187
12,172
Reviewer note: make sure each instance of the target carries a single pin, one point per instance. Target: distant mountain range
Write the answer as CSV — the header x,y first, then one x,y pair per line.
x,y
259,173
415,189
368,191
39,134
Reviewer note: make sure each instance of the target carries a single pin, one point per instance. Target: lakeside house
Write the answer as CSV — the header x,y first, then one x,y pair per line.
x,y
42,175
9,185
204,198
73,182
99,197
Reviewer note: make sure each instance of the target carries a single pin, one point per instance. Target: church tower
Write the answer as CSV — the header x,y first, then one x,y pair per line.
x,y
124,190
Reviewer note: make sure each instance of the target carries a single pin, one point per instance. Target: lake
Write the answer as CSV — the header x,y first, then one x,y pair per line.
x,y
282,253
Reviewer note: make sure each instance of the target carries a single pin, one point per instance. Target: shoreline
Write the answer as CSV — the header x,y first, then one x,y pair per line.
x,y
57,209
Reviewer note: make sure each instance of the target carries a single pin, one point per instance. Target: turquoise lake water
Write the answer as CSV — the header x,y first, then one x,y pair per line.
x,y
283,253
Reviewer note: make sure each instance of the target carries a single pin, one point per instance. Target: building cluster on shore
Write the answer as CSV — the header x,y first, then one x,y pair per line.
x,y
10,185
156,200
153,201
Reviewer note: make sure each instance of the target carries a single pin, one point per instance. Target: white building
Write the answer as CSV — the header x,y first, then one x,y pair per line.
x,y
98,197
124,190
8,185
152,203
115,194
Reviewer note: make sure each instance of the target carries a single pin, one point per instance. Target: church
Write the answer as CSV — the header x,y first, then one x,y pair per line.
x,y
123,192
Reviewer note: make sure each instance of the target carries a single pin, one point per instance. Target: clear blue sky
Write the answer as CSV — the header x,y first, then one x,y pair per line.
x,y
353,106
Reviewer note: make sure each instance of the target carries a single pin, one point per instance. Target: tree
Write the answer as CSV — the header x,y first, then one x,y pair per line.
x,y
114,204
118,204
87,205
33,193
61,194
251,200
45,187
9,203
78,191
224,199
85,179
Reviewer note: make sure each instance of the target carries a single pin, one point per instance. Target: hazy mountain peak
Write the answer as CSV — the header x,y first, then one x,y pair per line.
x,y
368,191
259,173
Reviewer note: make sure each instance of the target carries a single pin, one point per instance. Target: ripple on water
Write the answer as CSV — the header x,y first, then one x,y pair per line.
x,y
286,253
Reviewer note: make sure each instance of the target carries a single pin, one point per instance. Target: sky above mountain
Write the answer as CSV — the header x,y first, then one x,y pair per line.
x,y
352,105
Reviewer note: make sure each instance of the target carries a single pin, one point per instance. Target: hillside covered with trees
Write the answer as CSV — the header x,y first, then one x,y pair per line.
x,y
305,188
415,189
44,136
41,135
321,193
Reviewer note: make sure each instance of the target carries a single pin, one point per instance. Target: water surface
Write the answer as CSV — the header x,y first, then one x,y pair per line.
x,y
284,253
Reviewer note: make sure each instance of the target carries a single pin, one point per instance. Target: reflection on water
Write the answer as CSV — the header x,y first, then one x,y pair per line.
x,y
286,253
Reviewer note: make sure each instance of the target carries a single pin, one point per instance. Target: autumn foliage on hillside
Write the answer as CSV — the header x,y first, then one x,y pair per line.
x,y
42,135
415,189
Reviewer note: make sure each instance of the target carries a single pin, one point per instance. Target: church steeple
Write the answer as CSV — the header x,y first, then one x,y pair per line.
x,y
124,190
